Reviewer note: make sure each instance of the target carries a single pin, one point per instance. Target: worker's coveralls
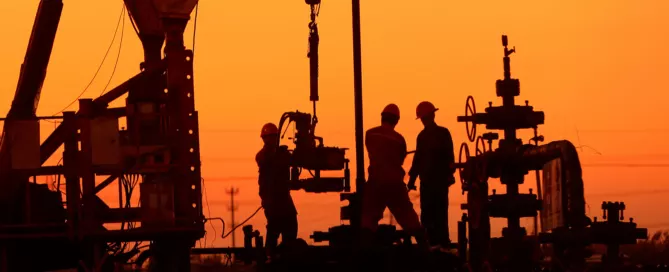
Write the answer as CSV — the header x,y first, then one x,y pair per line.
x,y
432,163
387,150
274,174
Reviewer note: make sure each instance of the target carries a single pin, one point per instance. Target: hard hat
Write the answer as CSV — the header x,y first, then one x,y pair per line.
x,y
269,129
424,108
392,109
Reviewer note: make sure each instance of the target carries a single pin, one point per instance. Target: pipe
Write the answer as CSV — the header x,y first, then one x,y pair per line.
x,y
313,61
573,200
357,79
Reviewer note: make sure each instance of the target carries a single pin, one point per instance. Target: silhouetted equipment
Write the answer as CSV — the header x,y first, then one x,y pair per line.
x,y
159,151
564,211
310,154
313,50
614,232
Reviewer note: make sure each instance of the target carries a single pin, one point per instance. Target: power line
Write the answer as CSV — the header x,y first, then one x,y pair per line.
x,y
641,130
101,63
586,165
231,178
627,165
630,193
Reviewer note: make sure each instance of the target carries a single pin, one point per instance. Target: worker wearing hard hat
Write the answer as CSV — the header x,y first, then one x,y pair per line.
x,y
387,150
274,174
433,162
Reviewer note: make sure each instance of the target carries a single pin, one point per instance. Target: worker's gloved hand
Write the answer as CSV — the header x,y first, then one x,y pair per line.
x,y
411,186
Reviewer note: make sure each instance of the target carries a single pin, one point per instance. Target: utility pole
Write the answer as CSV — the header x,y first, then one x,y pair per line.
x,y
233,191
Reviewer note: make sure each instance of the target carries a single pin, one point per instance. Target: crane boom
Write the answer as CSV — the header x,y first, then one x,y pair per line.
x,y
33,69
33,73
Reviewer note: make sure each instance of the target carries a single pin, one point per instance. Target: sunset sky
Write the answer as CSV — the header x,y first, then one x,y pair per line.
x,y
597,69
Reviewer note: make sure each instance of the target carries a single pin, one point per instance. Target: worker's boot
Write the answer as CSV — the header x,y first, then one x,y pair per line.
x,y
421,241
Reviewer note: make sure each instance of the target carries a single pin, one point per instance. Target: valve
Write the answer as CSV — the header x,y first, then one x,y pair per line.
x,y
470,111
480,146
490,136
464,150
537,138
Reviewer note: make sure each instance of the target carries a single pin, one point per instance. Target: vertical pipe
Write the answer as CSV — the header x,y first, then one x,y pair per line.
x,y
313,65
72,188
357,80
539,197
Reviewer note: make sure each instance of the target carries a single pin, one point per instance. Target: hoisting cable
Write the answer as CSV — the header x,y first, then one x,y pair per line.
x,y
197,7
101,63
313,56
118,55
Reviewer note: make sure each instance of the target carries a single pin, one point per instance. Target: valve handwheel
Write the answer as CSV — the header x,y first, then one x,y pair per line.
x,y
464,150
470,111
480,146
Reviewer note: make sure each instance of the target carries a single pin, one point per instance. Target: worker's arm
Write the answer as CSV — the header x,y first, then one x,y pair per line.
x,y
450,153
284,160
405,151
415,164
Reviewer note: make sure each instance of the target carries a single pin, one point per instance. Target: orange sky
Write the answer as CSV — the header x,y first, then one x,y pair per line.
x,y
597,67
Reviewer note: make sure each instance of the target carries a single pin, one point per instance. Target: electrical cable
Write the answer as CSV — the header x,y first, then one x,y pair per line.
x,y
118,55
242,223
206,199
101,63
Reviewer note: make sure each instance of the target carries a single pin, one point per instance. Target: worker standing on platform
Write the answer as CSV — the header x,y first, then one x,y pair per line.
x,y
387,150
274,174
433,163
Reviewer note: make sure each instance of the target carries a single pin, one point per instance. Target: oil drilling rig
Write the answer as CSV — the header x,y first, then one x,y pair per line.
x,y
159,150
564,222
311,154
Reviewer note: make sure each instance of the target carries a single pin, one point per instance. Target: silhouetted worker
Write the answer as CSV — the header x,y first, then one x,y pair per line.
x,y
274,174
387,150
432,162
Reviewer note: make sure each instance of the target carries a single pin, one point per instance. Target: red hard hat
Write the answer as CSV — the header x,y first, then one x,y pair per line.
x,y
392,109
269,129
424,108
